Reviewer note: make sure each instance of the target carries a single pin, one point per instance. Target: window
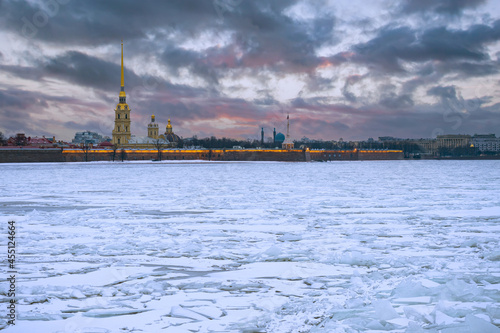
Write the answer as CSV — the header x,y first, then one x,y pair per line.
x,y
126,116
118,116
118,141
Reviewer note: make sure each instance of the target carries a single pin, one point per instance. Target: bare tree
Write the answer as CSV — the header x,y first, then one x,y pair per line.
x,y
159,144
3,140
113,152
21,139
86,147
123,154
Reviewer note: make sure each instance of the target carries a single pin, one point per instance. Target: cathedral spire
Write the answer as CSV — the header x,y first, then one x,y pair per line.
x,y
123,96
121,132
123,81
287,126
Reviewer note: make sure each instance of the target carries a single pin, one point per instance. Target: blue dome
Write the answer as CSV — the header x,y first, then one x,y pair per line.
x,y
279,138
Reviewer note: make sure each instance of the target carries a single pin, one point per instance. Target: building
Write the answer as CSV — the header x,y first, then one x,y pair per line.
x,y
452,141
288,143
122,135
153,128
427,146
169,135
486,142
121,131
279,138
87,137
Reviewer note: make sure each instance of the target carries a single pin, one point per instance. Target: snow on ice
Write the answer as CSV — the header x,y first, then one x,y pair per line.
x,y
396,246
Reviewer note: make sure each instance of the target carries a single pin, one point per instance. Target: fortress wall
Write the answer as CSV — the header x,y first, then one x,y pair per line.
x,y
263,155
77,155
356,155
21,155
368,155
333,155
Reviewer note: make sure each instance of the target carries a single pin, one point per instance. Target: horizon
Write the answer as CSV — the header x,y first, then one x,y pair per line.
x,y
226,68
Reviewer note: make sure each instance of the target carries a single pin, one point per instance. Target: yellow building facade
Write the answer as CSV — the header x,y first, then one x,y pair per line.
x,y
153,128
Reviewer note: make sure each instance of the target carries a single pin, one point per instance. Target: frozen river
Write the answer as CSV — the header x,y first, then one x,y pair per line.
x,y
393,246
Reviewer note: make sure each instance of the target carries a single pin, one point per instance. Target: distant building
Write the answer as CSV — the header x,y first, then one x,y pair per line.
x,y
454,141
288,143
388,138
41,142
87,137
279,138
486,142
427,146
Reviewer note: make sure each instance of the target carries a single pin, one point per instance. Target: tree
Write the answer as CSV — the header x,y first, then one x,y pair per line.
x,y
159,144
113,152
21,139
86,147
123,154
3,140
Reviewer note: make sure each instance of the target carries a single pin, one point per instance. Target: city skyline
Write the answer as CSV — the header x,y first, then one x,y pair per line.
x,y
230,67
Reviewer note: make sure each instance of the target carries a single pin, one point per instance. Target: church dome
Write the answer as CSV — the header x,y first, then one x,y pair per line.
x,y
169,133
171,137
279,138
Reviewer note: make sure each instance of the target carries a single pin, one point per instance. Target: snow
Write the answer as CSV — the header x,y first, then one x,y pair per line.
x,y
393,246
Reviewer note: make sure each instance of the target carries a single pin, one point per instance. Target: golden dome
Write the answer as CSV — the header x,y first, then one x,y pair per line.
x,y
169,128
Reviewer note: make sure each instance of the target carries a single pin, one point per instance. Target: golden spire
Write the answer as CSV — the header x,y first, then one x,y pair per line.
x,y
123,81
122,89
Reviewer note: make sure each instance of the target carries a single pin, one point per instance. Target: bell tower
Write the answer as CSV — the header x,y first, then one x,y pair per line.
x,y
153,128
121,131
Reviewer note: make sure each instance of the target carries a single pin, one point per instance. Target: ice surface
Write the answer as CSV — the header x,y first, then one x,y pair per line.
x,y
393,246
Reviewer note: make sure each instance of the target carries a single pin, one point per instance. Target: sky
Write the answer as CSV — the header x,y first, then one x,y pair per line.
x,y
342,69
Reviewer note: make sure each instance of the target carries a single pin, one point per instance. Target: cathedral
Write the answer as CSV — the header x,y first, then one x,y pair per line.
x,y
121,131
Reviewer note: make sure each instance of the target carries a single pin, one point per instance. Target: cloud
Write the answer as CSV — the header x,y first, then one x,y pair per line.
x,y
393,101
392,45
448,7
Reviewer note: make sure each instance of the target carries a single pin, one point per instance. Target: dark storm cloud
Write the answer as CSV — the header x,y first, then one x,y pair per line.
x,y
19,99
395,44
470,69
88,71
448,92
393,101
450,7
91,72
17,108
262,34
268,37
24,72
177,58
97,22
350,81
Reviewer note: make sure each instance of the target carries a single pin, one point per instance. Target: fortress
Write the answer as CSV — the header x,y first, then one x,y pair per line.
x,y
155,146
